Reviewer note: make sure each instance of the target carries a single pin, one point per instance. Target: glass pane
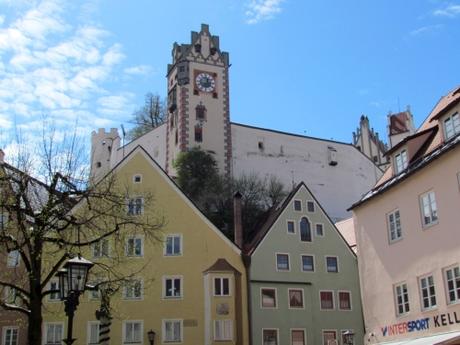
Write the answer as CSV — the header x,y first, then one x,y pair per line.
x,y
226,289
177,245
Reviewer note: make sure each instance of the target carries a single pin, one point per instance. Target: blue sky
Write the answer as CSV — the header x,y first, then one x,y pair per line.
x,y
302,66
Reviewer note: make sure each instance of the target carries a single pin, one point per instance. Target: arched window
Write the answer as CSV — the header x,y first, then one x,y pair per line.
x,y
305,230
200,112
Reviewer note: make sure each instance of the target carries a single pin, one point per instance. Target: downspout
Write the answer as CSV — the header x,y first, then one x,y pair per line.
x,y
247,265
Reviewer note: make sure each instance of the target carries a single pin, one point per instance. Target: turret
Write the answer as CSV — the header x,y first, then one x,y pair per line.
x,y
103,146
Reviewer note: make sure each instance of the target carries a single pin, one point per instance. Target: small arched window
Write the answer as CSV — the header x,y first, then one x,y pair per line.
x,y
305,230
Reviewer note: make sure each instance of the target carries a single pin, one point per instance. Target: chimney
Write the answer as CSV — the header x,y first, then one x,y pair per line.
x,y
2,156
237,220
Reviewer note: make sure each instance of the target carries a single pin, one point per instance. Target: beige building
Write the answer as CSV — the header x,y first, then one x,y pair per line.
x,y
408,237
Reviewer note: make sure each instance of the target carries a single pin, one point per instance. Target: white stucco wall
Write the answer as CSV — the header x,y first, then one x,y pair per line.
x,y
296,158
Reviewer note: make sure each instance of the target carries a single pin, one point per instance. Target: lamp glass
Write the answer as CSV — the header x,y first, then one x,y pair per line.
x,y
77,273
151,336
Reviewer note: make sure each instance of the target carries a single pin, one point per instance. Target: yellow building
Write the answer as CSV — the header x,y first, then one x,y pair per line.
x,y
191,284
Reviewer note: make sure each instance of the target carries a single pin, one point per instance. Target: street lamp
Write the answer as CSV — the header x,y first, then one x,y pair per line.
x,y
72,281
348,337
151,337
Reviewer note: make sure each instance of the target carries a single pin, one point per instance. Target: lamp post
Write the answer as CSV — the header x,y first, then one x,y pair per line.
x,y
72,281
151,337
348,337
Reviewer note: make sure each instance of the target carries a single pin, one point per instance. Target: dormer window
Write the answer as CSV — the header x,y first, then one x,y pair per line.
x,y
400,161
451,126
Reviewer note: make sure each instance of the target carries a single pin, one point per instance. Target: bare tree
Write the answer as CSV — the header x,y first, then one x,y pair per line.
x,y
49,213
151,115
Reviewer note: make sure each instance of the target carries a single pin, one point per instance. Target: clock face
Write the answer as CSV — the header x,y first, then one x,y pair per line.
x,y
205,82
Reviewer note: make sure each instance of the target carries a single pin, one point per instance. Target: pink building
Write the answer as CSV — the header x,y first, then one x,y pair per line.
x,y
408,237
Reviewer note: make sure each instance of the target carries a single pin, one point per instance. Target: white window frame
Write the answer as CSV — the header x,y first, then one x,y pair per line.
x,y
289,299
261,297
429,297
338,300
10,294
337,261
328,331
223,324
98,248
401,161
45,332
134,255
287,226
406,309
163,330
301,263
271,329
135,176
456,284
130,287
294,203
311,230
88,330
303,330
5,329
346,330
289,262
392,226
455,125
172,278
13,259
333,300
173,236
124,333
311,202
221,279
316,229
431,206
54,297
136,211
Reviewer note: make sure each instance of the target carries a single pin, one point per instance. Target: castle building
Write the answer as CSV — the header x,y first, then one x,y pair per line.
x,y
408,239
400,126
368,142
198,115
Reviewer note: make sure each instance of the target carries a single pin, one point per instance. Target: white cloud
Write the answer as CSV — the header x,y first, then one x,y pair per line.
x,y
115,104
260,10
138,70
426,29
448,11
5,123
2,19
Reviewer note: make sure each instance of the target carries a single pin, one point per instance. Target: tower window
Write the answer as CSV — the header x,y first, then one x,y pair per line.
x,y
98,164
261,145
213,50
200,112
181,68
198,134
177,137
197,48
214,95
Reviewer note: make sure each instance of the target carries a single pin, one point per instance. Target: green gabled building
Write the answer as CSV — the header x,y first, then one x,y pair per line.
x,y
303,278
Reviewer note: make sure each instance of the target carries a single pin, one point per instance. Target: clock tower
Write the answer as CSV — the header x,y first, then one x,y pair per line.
x,y
198,101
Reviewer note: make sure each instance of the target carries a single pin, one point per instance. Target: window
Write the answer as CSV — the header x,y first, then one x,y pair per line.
x,y
223,330
135,206
9,294
10,336
268,298
310,206
326,300
54,286
344,300
343,335
137,178
95,294
427,292
290,227
54,333
319,230
282,262
133,289
452,126
308,263
332,265
429,208
173,245
198,134
13,258
172,331
297,337
270,337
329,337
402,299
221,286
305,230
200,112
172,287
453,284
132,332
134,246
295,298
101,248
394,226
297,205
93,332
401,161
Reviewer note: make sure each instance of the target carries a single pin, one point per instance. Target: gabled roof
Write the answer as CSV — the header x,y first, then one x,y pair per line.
x,y
275,214
431,130
398,123
222,265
